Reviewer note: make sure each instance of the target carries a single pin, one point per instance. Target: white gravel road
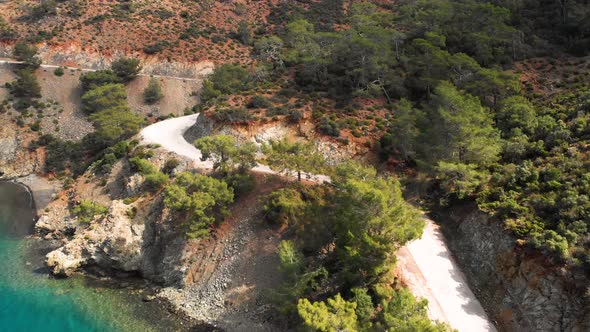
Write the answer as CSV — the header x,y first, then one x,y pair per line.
x,y
426,264
169,134
430,271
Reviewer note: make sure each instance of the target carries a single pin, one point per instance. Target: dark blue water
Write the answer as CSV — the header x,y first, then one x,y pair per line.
x,y
31,300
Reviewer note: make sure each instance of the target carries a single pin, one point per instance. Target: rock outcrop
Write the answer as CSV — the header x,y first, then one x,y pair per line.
x,y
138,237
520,290
113,242
15,158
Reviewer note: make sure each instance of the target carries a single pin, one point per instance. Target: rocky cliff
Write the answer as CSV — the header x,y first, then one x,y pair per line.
x,y
519,289
15,158
136,236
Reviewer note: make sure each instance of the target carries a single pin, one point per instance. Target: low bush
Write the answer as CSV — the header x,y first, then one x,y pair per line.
x,y
258,102
329,127
59,71
153,92
87,210
232,115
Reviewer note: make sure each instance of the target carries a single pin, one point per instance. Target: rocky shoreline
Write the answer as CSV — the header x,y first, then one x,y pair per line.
x,y
43,191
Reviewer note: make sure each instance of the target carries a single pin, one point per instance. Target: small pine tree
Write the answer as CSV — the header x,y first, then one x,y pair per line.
x,y
153,92
126,68
59,71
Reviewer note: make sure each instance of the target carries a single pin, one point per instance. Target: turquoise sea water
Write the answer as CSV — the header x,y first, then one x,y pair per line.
x,y
31,300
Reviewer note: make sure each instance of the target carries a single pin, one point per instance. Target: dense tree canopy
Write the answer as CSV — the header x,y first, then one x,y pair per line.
x,y
104,97
26,85
298,157
372,221
201,198
94,79
458,129
226,153
126,68
27,54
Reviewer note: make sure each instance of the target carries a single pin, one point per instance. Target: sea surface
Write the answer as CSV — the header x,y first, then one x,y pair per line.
x,y
31,300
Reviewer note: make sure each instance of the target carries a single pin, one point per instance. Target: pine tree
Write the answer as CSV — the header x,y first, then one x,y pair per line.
x,y
153,92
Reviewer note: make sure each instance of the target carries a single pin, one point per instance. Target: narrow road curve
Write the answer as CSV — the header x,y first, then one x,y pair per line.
x,y
169,134
14,62
426,264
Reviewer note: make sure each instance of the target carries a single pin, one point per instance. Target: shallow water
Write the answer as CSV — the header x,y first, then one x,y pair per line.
x,y
31,300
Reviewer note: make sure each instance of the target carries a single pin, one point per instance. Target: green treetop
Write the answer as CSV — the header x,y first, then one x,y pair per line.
x,y
201,198
334,315
126,68
284,156
458,129
227,154
104,97
372,221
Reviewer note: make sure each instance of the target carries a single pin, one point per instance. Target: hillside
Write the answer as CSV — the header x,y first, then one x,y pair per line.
x,y
303,141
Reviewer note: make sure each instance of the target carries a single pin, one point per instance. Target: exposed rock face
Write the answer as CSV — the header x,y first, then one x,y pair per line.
x,y
118,242
522,293
140,237
114,242
203,127
15,159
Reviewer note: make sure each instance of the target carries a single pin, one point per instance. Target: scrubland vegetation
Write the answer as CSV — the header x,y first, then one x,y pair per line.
x,y
458,112
437,86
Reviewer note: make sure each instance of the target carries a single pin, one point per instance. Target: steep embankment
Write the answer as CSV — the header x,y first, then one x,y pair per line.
x,y
429,263
522,290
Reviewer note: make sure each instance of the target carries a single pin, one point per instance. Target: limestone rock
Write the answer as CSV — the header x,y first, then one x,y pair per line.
x,y
112,242
64,262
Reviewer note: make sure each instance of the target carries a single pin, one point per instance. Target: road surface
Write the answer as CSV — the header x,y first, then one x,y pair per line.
x,y
14,62
169,134
427,264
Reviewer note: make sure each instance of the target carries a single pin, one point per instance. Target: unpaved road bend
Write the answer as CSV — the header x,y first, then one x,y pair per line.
x,y
169,134
427,264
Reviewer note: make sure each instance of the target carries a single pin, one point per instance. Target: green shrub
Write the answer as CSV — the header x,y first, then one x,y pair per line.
x,y
203,199
59,71
27,54
241,183
36,126
156,47
109,96
294,116
170,165
232,115
87,210
142,166
43,9
156,181
329,127
284,206
92,80
226,79
26,85
258,102
551,243
153,92
126,68
6,31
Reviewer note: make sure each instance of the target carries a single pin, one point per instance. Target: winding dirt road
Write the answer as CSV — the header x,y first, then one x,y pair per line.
x,y
426,264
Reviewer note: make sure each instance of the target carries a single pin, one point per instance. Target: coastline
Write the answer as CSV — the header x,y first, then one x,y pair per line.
x,y
42,190
140,293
